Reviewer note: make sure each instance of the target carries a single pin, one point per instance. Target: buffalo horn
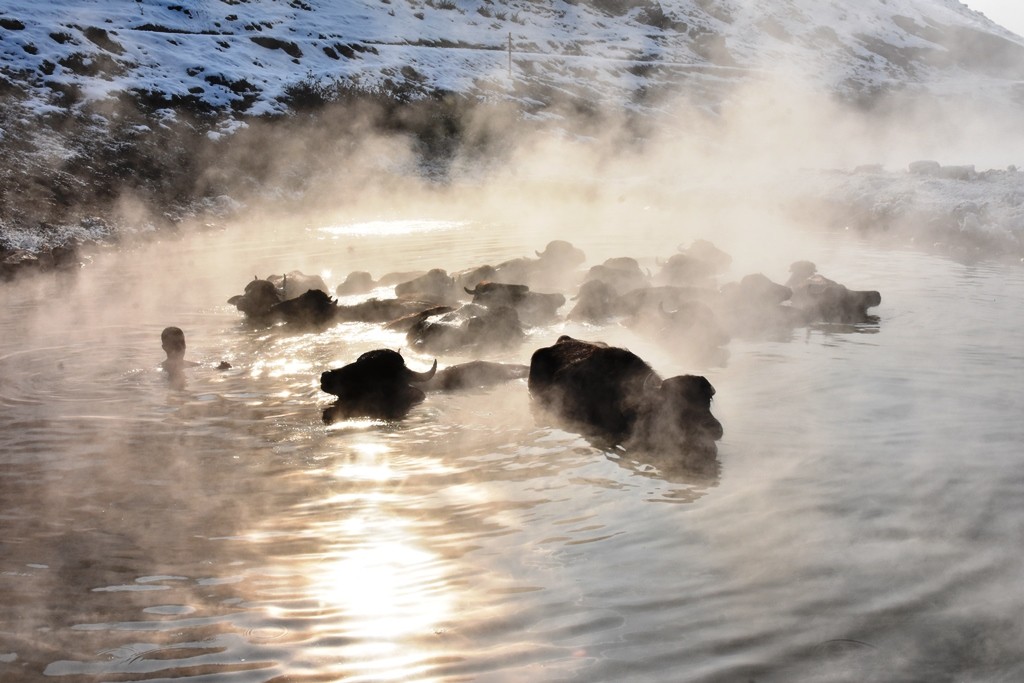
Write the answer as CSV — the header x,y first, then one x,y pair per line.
x,y
413,376
471,292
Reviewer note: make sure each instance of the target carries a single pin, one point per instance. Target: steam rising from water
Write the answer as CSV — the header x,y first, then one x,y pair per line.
x,y
365,538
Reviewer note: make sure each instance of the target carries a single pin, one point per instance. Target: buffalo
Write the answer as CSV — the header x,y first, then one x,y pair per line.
x,y
475,374
533,308
553,267
376,385
379,385
314,308
296,283
698,264
596,302
469,326
612,393
257,299
689,329
684,269
382,310
435,285
758,308
622,274
827,301
356,282
294,297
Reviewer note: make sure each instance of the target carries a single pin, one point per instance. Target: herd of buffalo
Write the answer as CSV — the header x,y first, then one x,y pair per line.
x,y
592,387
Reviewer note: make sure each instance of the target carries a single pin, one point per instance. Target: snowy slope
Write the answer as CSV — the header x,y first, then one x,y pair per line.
x,y
244,53
239,58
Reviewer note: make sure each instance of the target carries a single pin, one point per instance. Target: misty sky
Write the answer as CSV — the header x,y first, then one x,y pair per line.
x,y
1008,13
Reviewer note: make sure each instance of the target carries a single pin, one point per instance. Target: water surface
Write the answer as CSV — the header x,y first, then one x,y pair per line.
x,y
864,523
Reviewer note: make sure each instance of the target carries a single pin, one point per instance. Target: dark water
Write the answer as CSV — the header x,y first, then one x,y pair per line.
x,y
865,525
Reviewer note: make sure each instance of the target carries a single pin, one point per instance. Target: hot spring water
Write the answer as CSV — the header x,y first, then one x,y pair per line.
x,y
865,524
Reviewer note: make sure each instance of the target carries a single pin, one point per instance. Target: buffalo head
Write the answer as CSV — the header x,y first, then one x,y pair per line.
x,y
497,293
378,384
562,254
258,298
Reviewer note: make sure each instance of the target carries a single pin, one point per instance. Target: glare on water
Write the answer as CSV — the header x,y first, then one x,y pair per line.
x,y
863,524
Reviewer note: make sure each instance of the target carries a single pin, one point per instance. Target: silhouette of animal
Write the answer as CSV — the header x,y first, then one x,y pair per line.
x,y
469,326
295,283
256,300
824,300
377,385
436,285
474,375
611,392
622,274
533,308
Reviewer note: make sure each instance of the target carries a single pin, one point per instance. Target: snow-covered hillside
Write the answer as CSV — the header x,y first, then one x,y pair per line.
x,y
110,108
245,53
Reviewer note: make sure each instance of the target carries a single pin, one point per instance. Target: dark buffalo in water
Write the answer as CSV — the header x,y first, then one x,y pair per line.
x,y
554,267
314,308
684,269
612,393
436,285
356,282
622,274
533,308
469,326
561,254
596,302
757,308
471,277
475,374
294,297
691,329
383,310
377,385
257,299
696,265
824,300
296,283
710,254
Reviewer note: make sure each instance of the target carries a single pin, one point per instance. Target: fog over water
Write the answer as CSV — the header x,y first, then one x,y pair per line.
x,y
863,523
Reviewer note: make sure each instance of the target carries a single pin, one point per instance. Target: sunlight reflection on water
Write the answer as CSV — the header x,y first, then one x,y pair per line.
x,y
220,531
